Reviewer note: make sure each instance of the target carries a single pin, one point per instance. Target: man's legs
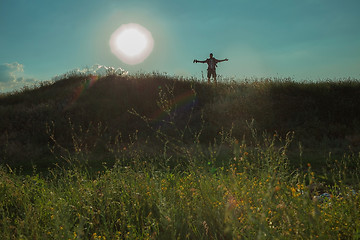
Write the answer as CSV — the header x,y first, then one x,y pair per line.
x,y
211,73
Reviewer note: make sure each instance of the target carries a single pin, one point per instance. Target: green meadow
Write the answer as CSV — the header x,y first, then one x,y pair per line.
x,y
152,156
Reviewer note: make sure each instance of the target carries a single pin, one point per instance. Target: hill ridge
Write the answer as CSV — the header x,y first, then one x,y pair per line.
x,y
321,113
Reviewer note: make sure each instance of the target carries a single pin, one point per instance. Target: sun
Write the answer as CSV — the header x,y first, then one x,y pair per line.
x,y
131,43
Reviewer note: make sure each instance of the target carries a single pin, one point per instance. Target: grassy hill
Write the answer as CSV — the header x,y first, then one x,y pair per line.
x,y
323,115
158,157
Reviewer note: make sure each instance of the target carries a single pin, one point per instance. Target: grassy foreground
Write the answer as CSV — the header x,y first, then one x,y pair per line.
x,y
255,196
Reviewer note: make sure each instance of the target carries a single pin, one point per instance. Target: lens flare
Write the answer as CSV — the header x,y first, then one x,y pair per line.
x,y
131,43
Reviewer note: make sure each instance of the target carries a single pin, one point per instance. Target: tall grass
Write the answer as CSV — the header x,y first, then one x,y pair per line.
x,y
256,196
230,164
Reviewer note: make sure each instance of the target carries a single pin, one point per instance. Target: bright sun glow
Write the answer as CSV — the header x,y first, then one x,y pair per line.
x,y
131,43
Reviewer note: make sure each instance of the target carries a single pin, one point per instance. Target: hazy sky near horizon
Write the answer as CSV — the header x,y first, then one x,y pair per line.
x,y
305,40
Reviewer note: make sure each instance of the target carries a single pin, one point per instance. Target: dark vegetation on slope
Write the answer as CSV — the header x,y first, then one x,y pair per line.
x,y
89,114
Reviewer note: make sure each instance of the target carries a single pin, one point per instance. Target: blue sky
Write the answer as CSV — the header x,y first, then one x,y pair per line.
x,y
305,40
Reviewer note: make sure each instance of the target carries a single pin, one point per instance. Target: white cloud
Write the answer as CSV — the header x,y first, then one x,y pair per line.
x,y
12,77
97,70
8,72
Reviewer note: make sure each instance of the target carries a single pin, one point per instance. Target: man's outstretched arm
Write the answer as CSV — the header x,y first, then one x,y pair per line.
x,y
223,60
197,61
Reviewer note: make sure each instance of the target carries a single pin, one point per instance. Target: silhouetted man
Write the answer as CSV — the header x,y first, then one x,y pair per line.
x,y
212,64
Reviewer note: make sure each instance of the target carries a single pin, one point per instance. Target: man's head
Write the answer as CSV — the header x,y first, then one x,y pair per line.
x,y
211,55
